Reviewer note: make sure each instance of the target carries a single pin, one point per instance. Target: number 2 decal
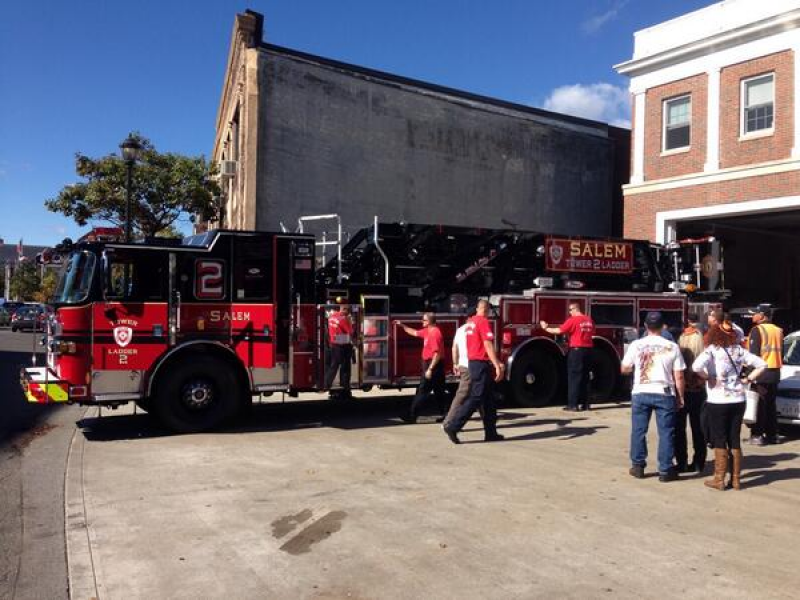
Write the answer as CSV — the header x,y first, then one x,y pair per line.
x,y
209,279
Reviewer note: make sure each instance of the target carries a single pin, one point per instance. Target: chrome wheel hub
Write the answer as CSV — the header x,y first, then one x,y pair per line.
x,y
197,394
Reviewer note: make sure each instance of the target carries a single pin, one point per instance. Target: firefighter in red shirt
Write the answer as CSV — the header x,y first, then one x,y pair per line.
x,y
340,342
580,329
433,376
482,358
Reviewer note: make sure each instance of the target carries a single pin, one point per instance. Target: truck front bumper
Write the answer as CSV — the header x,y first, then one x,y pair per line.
x,y
42,386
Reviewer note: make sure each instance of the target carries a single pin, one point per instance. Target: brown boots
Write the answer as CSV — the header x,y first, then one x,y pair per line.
x,y
721,467
737,469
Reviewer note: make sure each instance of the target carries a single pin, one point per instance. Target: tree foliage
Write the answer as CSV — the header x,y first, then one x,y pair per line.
x,y
165,188
47,286
25,281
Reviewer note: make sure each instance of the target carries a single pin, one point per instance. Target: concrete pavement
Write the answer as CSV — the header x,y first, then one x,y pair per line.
x,y
319,501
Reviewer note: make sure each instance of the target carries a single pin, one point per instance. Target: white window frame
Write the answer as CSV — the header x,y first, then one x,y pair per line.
x,y
664,112
743,134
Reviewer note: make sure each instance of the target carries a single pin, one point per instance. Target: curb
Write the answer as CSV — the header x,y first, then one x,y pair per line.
x,y
81,571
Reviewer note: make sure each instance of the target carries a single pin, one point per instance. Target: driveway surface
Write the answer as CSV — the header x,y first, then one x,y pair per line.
x,y
315,500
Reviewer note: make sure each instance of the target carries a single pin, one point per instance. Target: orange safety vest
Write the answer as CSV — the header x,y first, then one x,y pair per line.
x,y
771,344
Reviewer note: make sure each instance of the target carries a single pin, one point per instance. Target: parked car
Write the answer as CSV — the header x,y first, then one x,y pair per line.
x,y
32,317
5,317
12,307
788,399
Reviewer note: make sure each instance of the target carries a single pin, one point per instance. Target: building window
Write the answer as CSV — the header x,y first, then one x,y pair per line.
x,y
758,103
677,123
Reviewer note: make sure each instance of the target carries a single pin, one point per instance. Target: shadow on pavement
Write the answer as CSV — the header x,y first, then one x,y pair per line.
x,y
16,414
369,413
763,469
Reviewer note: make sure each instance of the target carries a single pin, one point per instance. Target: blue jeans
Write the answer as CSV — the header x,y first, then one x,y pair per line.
x,y
642,406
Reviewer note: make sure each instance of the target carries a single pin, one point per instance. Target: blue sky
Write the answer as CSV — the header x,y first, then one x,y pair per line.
x,y
79,75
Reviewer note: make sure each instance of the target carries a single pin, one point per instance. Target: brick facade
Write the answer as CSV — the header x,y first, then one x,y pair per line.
x,y
657,164
640,209
735,151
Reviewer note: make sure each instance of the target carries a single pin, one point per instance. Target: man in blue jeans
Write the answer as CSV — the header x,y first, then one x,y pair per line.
x,y
657,366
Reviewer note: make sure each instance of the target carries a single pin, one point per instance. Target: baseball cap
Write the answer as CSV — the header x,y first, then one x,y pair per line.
x,y
762,309
654,319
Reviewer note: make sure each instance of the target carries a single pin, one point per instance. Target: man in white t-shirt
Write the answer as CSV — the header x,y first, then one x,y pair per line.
x,y
657,366
460,368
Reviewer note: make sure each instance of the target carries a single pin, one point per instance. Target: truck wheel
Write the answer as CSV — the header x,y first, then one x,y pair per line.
x,y
603,374
197,395
534,379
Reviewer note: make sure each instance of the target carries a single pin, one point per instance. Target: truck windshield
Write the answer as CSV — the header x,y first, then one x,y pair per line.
x,y
76,279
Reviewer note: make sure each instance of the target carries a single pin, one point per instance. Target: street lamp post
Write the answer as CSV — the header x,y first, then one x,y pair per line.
x,y
131,149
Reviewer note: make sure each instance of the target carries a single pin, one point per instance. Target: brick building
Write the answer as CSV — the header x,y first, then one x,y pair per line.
x,y
716,139
298,134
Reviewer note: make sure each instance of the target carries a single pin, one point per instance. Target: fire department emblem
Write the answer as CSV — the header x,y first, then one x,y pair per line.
x,y
556,253
123,335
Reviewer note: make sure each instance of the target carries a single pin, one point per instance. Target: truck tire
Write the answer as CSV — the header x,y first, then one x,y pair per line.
x,y
535,378
603,374
197,395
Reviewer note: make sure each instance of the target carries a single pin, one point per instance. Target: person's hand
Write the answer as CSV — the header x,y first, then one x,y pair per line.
x,y
679,402
456,371
498,371
428,374
543,324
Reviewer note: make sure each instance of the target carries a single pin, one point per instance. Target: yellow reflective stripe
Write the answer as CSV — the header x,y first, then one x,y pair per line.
x,y
56,393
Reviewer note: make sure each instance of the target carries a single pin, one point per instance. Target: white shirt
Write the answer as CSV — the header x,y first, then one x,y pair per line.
x,y
460,342
722,367
655,360
739,333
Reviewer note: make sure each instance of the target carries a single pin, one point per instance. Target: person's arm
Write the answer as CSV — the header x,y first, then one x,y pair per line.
x,y
757,363
680,387
409,330
626,366
554,330
498,366
434,362
455,356
754,345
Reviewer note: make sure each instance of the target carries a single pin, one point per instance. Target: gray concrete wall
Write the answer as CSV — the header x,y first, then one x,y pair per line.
x,y
344,141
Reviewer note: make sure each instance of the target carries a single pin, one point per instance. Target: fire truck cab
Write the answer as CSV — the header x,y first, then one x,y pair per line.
x,y
188,329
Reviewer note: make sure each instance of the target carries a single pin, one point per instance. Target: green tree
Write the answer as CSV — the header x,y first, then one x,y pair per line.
x,y
166,188
47,286
25,281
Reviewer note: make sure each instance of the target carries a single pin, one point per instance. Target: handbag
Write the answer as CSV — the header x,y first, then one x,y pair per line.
x,y
751,397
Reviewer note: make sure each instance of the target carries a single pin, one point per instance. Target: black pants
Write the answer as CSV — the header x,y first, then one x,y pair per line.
x,y
435,384
692,409
578,363
767,418
725,424
480,394
340,357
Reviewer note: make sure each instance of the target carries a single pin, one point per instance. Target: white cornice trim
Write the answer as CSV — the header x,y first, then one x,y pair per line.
x,y
695,179
712,44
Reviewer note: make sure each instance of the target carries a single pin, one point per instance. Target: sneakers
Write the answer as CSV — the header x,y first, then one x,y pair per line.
x,y
670,475
494,437
756,440
636,471
571,408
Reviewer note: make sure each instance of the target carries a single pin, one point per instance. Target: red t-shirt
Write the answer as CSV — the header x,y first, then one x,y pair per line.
x,y
434,342
580,330
340,329
478,331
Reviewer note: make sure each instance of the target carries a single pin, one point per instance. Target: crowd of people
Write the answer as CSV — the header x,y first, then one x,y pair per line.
x,y
701,381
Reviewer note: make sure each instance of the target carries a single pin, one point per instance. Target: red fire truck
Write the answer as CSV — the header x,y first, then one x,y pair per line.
x,y
193,329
